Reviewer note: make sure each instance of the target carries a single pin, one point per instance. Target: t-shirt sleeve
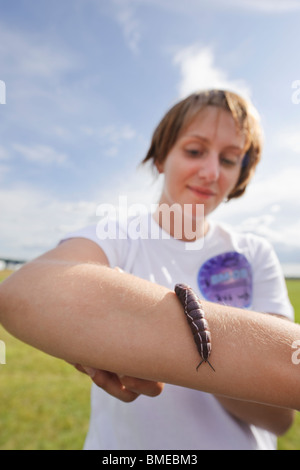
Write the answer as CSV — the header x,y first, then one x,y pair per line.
x,y
270,293
110,236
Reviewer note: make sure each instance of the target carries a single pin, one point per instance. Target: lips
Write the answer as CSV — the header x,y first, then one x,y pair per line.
x,y
202,192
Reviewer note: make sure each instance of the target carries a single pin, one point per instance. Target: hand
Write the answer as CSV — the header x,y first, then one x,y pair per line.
x,y
124,388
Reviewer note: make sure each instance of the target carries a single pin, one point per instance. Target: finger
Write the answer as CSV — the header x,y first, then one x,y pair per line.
x,y
111,384
86,370
89,371
141,386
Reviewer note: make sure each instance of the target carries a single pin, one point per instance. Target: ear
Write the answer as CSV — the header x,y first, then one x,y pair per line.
x,y
159,167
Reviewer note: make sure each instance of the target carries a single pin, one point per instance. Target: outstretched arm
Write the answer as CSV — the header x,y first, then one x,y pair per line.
x,y
84,312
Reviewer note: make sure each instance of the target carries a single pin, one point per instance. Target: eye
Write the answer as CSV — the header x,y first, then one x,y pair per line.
x,y
230,161
194,152
227,162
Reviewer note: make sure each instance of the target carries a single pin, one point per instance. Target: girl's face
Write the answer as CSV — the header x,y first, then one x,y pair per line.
x,y
205,163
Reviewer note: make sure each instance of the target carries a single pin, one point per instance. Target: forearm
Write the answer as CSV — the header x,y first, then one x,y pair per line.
x,y
91,314
274,419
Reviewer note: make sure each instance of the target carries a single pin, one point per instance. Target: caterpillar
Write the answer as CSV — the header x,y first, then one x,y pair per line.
x,y
196,319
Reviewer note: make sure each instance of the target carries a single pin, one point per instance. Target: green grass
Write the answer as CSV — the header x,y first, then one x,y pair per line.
x,y
45,403
4,274
291,440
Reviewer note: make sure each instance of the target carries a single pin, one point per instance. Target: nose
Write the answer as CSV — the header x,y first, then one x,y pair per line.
x,y
210,168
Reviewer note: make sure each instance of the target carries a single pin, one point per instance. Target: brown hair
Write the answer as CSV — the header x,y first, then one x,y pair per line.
x,y
181,115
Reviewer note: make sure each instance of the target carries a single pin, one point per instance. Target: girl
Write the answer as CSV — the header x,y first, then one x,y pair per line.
x,y
131,322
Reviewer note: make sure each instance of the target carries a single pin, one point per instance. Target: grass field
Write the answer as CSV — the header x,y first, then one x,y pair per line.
x,y
44,402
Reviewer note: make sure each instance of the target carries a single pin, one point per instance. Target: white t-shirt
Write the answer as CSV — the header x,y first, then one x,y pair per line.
x,y
230,268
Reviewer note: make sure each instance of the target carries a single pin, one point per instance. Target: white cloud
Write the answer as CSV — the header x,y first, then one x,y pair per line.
x,y
33,222
189,7
3,153
268,192
289,140
4,169
282,187
41,154
270,208
199,71
260,5
111,136
115,134
269,6
125,14
24,55
37,71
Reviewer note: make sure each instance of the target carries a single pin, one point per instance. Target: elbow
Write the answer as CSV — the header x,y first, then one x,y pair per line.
x,y
10,304
285,423
2,304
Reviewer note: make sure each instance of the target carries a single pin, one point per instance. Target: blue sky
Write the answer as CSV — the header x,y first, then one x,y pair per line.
x,y
88,80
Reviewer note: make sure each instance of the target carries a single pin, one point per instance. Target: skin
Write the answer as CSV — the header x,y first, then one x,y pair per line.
x,y
202,168
87,313
204,164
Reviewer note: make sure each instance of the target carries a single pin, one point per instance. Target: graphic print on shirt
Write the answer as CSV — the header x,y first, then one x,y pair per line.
x,y
227,279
